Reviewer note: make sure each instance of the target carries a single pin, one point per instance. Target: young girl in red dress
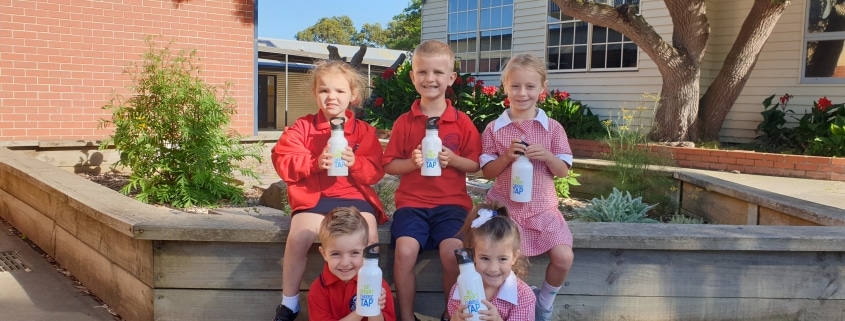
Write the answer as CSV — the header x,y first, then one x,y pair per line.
x,y
526,129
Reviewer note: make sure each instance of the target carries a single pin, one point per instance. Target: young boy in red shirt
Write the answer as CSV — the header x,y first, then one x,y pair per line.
x,y
430,210
343,234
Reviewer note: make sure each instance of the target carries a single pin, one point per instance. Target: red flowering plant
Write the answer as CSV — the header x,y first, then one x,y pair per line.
x,y
577,119
393,93
816,133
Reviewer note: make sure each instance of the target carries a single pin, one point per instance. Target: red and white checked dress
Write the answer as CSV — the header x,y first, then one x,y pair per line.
x,y
540,221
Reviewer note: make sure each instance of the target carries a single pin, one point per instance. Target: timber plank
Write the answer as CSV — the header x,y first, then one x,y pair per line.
x,y
771,217
601,308
715,207
32,223
121,290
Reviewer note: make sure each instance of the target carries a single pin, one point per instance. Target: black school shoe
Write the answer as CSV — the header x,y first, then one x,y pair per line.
x,y
283,313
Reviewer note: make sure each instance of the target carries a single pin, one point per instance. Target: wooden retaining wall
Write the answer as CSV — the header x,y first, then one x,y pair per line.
x,y
150,263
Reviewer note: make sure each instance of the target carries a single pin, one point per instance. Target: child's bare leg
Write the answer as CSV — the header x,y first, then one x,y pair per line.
x,y
373,227
405,258
450,264
303,232
560,262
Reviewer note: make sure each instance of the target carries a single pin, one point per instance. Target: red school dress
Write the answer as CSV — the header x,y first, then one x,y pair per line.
x,y
540,221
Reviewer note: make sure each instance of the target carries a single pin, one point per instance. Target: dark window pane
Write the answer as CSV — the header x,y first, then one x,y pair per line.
x,y
599,34
581,32
825,16
614,55
629,55
566,58
598,56
507,40
553,35
567,33
580,57
613,36
825,59
552,57
485,41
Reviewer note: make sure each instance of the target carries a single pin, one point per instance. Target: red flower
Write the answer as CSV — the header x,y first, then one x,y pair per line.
x,y
459,81
471,79
479,82
823,103
379,102
543,96
489,90
785,99
562,95
507,102
388,73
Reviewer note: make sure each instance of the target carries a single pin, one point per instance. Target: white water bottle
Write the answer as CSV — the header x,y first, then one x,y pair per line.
x,y
522,179
470,285
369,284
337,144
431,147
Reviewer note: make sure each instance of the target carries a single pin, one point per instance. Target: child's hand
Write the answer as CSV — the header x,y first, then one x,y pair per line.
x,y
382,299
417,156
491,313
459,314
445,156
538,152
325,160
348,156
516,146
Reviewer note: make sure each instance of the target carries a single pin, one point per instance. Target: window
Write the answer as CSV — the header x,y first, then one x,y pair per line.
x,y
580,46
824,58
480,33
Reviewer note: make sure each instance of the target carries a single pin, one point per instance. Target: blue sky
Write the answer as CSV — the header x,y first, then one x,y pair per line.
x,y
282,19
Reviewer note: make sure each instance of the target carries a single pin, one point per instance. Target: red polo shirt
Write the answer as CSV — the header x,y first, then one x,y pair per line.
x,y
329,298
458,133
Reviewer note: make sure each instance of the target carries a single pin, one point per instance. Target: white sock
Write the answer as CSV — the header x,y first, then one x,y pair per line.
x,y
546,297
292,302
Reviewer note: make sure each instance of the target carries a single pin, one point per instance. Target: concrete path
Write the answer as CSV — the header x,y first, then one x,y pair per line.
x,y
32,290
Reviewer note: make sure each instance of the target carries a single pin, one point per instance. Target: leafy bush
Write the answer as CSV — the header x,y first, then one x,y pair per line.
x,y
617,207
393,93
816,133
577,119
172,133
683,219
562,184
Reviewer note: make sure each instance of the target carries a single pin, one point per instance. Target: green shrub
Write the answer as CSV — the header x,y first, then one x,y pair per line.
x,y
562,184
172,133
816,133
577,119
683,219
617,207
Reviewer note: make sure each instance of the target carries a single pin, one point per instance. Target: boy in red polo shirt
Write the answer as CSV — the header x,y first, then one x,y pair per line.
x,y
343,234
430,210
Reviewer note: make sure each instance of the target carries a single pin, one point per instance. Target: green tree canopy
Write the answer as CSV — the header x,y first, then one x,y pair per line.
x,y
402,33
405,29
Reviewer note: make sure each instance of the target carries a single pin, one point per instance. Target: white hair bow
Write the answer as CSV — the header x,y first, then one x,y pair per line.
x,y
484,215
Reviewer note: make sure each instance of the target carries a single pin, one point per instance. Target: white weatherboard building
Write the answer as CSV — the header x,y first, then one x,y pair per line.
x,y
607,72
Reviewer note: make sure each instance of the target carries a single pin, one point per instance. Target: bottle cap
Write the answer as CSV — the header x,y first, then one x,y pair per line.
x,y
464,255
431,123
523,143
371,252
337,123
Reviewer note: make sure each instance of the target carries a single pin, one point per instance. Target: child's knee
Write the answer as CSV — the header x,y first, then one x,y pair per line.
x,y
562,257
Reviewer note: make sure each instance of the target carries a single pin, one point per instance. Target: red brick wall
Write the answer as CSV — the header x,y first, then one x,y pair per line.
x,y
61,59
814,167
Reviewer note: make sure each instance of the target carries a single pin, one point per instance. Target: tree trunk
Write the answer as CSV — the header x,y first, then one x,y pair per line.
x,y
676,111
725,89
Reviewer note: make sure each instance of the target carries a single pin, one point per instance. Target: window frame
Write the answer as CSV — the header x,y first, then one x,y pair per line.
x,y
478,31
811,37
589,43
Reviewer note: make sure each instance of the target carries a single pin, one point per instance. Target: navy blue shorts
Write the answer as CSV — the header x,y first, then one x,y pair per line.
x,y
327,204
429,226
